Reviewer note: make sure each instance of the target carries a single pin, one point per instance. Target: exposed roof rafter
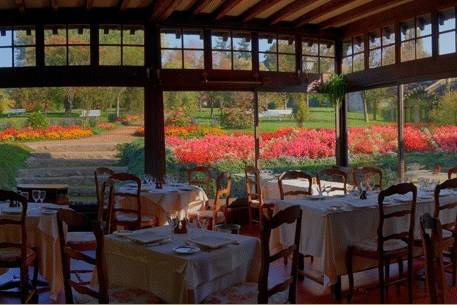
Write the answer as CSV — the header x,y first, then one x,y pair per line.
x,y
199,6
170,9
225,8
123,5
321,11
158,8
289,10
20,5
53,4
258,8
89,4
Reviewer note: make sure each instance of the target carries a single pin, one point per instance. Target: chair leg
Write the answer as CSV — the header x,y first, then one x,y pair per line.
x,y
249,213
24,283
350,274
410,276
454,265
387,277
400,271
381,280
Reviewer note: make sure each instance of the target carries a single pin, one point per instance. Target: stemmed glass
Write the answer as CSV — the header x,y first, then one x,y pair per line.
x,y
35,195
42,196
173,221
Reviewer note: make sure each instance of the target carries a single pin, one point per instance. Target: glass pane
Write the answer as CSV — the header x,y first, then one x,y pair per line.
x,y
388,35
5,38
110,56
55,35
327,65
347,48
347,65
79,55
133,35
170,39
6,57
327,48
447,43
446,20
286,63
193,39
133,56
24,56
221,40
268,62
374,40
423,25
222,60
358,44
24,37
267,43
286,44
79,35
424,47
109,35
193,59
359,62
55,56
375,58
407,30
242,60
171,59
242,41
310,64
407,51
388,55
310,47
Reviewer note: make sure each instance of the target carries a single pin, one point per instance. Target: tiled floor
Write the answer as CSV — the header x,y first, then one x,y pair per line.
x,y
312,292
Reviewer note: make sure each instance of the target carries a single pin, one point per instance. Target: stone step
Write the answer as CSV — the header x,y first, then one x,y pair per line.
x,y
33,162
70,180
75,147
62,171
72,155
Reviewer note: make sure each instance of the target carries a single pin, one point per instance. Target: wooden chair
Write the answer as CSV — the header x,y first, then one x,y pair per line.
x,y
216,212
80,290
431,233
129,218
102,175
336,175
200,176
449,228
260,293
294,175
253,192
386,249
17,254
451,171
365,174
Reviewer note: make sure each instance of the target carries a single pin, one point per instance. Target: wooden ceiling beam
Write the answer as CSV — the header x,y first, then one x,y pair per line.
x,y
170,9
257,9
321,11
199,6
123,5
158,8
89,4
289,10
225,8
20,5
54,4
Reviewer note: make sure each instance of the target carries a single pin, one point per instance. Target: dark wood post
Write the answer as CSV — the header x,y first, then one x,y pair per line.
x,y
340,115
256,131
94,50
400,126
39,34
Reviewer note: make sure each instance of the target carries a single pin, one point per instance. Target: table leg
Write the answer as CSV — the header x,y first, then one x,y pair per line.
x,y
301,266
336,289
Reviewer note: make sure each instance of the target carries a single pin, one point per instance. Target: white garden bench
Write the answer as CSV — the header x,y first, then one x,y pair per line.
x,y
275,113
94,113
15,111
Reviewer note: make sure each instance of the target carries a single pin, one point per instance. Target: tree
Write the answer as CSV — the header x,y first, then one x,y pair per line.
x,y
301,111
445,111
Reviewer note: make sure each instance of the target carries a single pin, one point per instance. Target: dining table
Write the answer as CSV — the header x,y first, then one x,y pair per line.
x,y
159,202
157,267
330,224
43,235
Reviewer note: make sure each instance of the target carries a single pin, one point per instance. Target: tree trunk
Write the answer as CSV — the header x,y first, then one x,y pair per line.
x,y
365,107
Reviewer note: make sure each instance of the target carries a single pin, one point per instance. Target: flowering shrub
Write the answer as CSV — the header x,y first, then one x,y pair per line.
x,y
105,125
130,119
446,138
190,131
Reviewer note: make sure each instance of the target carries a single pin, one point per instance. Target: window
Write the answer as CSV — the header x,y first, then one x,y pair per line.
x,y
17,47
66,45
276,53
416,38
182,49
446,29
381,45
318,56
121,45
353,55
231,50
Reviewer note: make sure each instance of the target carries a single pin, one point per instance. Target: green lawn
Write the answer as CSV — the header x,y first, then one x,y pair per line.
x,y
12,157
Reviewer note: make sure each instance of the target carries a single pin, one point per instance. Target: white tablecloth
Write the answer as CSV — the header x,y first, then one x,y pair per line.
x,y
171,276
157,202
326,234
43,234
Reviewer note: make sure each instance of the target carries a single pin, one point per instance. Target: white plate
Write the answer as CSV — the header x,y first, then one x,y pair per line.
x,y
48,212
186,249
123,233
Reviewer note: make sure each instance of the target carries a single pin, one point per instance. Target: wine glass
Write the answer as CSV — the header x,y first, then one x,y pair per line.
x,y
173,220
42,196
35,195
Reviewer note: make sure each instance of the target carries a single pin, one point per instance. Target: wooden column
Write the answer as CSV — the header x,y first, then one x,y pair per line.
x,y
94,51
256,131
39,36
340,115
400,126
154,118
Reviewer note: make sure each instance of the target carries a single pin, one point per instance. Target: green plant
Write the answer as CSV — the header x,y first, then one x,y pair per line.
x,y
236,118
301,112
37,120
334,88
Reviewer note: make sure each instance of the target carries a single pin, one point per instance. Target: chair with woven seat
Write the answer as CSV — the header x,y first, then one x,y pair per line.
x,y
260,293
434,246
18,254
332,175
451,171
390,248
216,212
199,176
366,175
101,176
253,192
128,218
77,282
295,175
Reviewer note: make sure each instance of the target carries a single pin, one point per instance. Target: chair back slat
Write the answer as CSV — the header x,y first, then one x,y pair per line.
x,y
102,175
222,192
200,176
287,216
433,245
397,214
294,175
253,188
336,175
451,171
439,206
364,174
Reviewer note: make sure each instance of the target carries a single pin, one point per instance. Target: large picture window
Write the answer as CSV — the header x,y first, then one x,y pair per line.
x,y
17,47
121,45
277,53
416,38
381,45
353,55
66,45
446,29
182,49
318,56
231,50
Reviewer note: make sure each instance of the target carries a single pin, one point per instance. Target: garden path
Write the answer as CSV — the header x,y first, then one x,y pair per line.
x,y
73,162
